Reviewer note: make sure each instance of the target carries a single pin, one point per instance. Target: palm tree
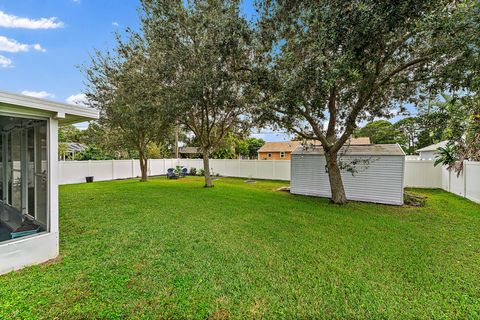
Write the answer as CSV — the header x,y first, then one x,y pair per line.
x,y
446,156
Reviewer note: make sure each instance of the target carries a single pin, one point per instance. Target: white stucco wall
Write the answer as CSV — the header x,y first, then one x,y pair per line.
x,y
427,155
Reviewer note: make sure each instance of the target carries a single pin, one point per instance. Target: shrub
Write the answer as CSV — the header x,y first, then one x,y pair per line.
x,y
193,172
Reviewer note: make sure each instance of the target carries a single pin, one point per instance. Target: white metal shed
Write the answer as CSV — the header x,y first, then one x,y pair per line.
x,y
28,177
377,175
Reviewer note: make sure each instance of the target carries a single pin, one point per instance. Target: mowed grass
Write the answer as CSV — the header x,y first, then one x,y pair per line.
x,y
172,249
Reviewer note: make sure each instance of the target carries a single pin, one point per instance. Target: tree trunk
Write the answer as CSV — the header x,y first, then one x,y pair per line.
x,y
143,167
206,169
335,178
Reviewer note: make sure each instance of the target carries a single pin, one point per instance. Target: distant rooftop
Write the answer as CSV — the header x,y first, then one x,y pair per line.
x,y
189,150
356,150
290,146
434,147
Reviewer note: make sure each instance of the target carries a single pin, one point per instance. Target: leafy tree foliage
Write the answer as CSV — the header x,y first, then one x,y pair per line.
x,y
120,86
207,45
328,65
410,129
382,131
70,133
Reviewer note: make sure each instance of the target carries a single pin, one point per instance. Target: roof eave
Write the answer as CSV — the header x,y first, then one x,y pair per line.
x,y
62,110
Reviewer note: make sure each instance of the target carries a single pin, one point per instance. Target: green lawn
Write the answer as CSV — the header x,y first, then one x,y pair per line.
x,y
171,249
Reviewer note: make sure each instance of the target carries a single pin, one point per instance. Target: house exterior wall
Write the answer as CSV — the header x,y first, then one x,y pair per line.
x,y
275,156
427,155
18,253
379,181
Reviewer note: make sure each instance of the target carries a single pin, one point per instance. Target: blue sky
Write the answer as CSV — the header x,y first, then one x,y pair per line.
x,y
42,43
42,56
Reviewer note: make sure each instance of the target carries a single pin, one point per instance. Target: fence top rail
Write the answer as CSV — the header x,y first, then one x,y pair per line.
x,y
419,160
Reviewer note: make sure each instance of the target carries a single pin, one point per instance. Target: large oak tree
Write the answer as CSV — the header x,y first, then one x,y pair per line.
x,y
328,65
123,85
206,46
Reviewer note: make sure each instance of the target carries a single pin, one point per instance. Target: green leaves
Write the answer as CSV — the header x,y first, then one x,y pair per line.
x,y
446,156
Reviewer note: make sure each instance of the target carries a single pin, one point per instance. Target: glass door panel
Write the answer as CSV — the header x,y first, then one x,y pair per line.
x,y
16,181
41,185
31,171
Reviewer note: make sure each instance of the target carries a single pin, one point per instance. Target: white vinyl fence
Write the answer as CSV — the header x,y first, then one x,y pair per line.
x,y
467,184
103,170
418,173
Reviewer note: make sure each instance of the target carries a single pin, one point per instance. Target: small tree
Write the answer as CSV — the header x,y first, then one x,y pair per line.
x,y
207,45
328,65
409,127
382,131
120,86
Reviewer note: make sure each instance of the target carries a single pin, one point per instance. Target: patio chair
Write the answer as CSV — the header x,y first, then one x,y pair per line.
x,y
171,174
184,172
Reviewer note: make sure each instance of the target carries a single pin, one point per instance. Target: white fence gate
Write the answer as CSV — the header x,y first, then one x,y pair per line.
x,y
418,173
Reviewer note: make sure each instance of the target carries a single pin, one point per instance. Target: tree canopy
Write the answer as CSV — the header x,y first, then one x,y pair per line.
x,y
207,47
328,65
120,86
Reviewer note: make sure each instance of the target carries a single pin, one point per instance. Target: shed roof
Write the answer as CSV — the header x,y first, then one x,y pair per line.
x,y
356,150
290,146
65,113
434,147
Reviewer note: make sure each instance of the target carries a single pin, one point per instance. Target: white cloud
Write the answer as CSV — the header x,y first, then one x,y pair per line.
x,y
79,98
11,21
12,45
5,62
115,24
38,94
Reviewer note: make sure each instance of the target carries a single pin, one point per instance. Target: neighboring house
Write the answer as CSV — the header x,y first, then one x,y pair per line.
x,y
283,150
190,152
277,150
29,177
429,152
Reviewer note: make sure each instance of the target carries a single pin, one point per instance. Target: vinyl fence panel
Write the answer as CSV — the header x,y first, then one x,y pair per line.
x,y
418,173
422,174
472,183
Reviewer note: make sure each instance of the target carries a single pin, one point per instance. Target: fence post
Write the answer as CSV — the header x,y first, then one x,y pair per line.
x,y
113,169
449,180
274,169
465,164
133,168
149,163
89,168
239,168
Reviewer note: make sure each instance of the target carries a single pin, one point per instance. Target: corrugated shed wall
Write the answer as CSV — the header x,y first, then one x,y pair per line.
x,y
379,180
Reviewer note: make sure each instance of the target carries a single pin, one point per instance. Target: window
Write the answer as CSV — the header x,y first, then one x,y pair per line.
x,y
269,155
282,154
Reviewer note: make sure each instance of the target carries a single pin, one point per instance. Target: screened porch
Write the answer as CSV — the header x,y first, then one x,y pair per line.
x,y
23,177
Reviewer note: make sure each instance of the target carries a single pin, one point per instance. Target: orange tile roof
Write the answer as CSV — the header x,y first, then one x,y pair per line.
x,y
283,146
